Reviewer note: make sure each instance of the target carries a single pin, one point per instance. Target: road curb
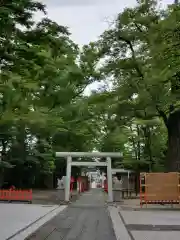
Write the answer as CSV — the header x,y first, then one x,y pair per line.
x,y
120,230
34,226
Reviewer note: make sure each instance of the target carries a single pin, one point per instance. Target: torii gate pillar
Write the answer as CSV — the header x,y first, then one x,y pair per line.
x,y
109,180
68,177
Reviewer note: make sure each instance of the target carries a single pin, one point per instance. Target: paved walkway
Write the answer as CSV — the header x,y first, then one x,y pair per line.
x,y
148,224
86,219
18,216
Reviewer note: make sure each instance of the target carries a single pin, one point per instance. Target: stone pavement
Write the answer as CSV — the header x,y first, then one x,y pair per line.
x,y
18,216
151,223
86,219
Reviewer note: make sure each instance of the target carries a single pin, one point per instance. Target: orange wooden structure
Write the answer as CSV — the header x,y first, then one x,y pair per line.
x,y
16,195
159,188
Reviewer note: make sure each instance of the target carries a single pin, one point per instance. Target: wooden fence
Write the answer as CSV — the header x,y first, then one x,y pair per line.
x,y
159,188
16,195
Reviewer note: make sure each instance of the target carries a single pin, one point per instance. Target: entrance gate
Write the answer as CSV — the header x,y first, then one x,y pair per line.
x,y
70,163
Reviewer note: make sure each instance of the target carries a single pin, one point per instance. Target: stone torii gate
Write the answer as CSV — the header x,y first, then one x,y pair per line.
x,y
107,163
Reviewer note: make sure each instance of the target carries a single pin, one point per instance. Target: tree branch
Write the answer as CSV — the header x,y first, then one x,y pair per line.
x,y
162,115
160,112
138,27
128,42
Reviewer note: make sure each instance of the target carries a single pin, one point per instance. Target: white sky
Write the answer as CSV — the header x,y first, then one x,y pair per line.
x,y
86,19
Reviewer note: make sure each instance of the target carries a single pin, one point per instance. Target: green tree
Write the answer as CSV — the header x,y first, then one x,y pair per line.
x,y
141,60
43,76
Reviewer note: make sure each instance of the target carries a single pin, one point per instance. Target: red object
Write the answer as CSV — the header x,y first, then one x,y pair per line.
x,y
72,180
105,186
12,187
79,180
71,187
83,184
16,195
83,187
72,184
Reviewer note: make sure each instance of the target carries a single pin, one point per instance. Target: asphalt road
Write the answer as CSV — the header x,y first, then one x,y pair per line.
x,y
86,219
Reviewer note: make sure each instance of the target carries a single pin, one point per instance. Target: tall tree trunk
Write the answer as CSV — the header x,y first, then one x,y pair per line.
x,y
173,152
134,144
147,147
137,151
138,143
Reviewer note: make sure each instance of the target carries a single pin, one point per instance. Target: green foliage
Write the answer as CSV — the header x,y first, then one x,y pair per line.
x,y
141,59
43,75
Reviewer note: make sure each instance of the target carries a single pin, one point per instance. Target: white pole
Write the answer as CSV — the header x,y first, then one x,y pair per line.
x,y
68,178
109,179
